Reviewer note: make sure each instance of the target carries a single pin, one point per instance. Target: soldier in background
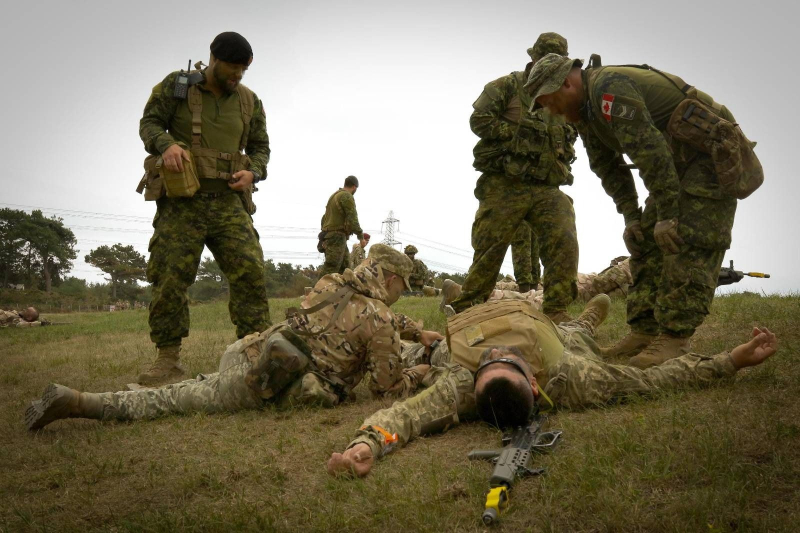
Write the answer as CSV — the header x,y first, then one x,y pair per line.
x,y
343,332
678,242
359,253
421,276
27,318
208,130
524,158
338,223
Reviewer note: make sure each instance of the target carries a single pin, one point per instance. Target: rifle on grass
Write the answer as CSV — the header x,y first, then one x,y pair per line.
x,y
514,461
728,276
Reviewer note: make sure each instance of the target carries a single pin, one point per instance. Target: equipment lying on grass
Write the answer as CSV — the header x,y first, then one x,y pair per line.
x,y
513,461
728,276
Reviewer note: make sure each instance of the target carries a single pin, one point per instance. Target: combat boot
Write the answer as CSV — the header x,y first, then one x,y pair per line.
x,y
60,402
595,312
629,345
165,368
663,348
559,316
450,291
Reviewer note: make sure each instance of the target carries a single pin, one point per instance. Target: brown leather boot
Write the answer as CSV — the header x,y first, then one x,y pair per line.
x,y
60,402
595,312
165,369
663,348
559,316
450,291
629,345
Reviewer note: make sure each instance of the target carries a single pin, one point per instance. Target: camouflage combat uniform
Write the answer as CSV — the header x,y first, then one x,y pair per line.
x,y
525,257
363,340
574,377
357,255
420,276
12,319
670,293
524,158
214,217
339,222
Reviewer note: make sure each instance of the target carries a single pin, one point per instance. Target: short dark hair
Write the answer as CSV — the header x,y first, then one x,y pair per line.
x,y
351,181
505,401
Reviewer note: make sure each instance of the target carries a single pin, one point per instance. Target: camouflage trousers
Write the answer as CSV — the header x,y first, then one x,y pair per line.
x,y
221,392
673,293
579,379
336,254
183,226
504,205
525,257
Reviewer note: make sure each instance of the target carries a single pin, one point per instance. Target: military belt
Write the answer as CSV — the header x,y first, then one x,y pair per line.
x,y
211,195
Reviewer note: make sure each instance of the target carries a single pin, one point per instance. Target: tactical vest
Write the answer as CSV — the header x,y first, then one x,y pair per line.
x,y
540,150
204,160
334,217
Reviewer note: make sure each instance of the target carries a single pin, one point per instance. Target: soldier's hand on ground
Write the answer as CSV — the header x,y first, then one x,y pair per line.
x,y
355,461
173,158
666,236
761,347
241,180
633,237
418,372
427,337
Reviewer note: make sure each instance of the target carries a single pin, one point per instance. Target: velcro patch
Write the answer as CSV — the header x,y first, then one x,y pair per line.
x,y
615,106
626,111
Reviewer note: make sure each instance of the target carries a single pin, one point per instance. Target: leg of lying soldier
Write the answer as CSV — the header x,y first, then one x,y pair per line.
x,y
503,206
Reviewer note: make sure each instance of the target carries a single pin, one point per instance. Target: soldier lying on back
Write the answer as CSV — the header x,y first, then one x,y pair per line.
x,y
343,330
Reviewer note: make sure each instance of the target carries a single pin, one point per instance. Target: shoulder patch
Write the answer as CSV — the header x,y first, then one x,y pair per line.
x,y
620,107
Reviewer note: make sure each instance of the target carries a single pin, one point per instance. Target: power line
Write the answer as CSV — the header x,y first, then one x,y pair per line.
x,y
390,224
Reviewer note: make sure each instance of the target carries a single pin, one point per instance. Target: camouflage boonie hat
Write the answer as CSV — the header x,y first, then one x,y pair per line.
x,y
548,74
548,43
411,249
392,260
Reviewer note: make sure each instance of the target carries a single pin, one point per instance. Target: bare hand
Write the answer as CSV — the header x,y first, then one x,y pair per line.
x,y
356,461
633,237
241,180
427,338
173,158
666,236
418,371
761,347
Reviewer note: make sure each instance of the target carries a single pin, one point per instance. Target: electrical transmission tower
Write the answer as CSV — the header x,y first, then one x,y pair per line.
x,y
391,225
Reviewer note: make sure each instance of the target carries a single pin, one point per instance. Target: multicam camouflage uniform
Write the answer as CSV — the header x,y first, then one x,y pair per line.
x,y
626,112
12,319
215,216
363,340
525,257
524,158
357,255
339,222
574,378
420,276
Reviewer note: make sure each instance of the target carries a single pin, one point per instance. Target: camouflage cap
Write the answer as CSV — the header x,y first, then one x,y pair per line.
x,y
548,43
411,249
392,260
548,74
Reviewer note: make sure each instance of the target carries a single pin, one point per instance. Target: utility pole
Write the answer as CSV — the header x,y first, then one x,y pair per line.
x,y
391,225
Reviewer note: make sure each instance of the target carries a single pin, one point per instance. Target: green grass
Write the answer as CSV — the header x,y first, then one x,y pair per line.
x,y
721,459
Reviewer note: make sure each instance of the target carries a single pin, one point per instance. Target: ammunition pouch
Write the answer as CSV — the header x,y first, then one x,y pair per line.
x,y
152,184
321,241
279,363
696,122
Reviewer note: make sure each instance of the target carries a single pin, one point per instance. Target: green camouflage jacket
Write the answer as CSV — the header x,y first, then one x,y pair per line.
x,y
420,275
168,120
341,215
516,142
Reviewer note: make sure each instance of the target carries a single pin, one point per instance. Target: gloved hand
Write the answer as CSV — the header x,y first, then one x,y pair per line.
x,y
666,236
633,237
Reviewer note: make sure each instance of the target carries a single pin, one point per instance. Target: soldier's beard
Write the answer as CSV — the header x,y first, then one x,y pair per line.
x,y
227,84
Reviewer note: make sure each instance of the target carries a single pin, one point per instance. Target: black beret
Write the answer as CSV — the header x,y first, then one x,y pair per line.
x,y
231,47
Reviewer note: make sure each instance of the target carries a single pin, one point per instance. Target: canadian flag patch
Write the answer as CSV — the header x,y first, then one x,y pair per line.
x,y
605,107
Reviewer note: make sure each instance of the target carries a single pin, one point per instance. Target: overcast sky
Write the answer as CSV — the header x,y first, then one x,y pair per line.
x,y
382,90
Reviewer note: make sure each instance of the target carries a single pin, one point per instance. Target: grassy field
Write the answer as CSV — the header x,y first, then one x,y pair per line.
x,y
720,459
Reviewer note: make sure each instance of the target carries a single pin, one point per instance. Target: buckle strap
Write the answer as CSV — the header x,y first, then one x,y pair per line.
x,y
340,299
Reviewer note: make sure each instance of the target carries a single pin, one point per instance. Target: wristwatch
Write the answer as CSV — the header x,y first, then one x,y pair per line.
x,y
256,176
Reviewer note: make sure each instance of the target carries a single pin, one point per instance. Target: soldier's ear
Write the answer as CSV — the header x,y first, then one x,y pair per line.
x,y
534,387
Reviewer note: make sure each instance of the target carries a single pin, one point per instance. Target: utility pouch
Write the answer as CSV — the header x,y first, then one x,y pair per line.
x,y
277,366
321,241
152,184
696,122
180,184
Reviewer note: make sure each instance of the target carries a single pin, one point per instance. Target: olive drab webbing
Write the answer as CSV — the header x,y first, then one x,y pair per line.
x,y
338,299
